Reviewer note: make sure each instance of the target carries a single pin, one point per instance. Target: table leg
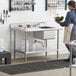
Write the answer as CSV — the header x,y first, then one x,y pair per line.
x,y
71,61
57,43
46,47
30,40
14,44
25,55
10,38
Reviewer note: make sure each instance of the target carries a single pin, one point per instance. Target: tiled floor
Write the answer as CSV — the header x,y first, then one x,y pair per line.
x,y
54,72
57,72
37,59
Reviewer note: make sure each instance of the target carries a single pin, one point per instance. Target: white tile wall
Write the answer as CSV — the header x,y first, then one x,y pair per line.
x,y
26,16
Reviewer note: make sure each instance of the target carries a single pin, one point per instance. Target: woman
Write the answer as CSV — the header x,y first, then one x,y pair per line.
x,y
71,19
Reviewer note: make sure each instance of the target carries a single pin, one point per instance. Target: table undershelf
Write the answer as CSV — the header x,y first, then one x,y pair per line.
x,y
37,50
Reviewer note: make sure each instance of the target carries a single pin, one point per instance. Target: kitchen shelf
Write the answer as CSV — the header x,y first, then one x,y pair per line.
x,y
37,50
18,5
57,4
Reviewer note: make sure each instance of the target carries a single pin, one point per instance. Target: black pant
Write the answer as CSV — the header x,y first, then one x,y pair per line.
x,y
73,50
68,47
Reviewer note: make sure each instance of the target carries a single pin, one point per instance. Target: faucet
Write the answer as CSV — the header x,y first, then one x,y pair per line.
x,y
37,24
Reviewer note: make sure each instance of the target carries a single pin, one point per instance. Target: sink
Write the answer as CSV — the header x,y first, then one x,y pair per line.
x,y
45,27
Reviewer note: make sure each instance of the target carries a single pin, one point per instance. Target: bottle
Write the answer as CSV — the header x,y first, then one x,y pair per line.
x,y
1,49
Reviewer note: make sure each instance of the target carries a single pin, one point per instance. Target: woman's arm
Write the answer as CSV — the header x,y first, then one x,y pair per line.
x,y
67,20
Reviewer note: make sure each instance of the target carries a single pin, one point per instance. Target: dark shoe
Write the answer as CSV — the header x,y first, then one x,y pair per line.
x,y
67,60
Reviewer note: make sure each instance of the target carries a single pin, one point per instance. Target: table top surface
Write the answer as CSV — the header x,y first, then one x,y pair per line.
x,y
31,29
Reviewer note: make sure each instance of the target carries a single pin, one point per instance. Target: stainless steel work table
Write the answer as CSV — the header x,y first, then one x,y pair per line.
x,y
31,29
